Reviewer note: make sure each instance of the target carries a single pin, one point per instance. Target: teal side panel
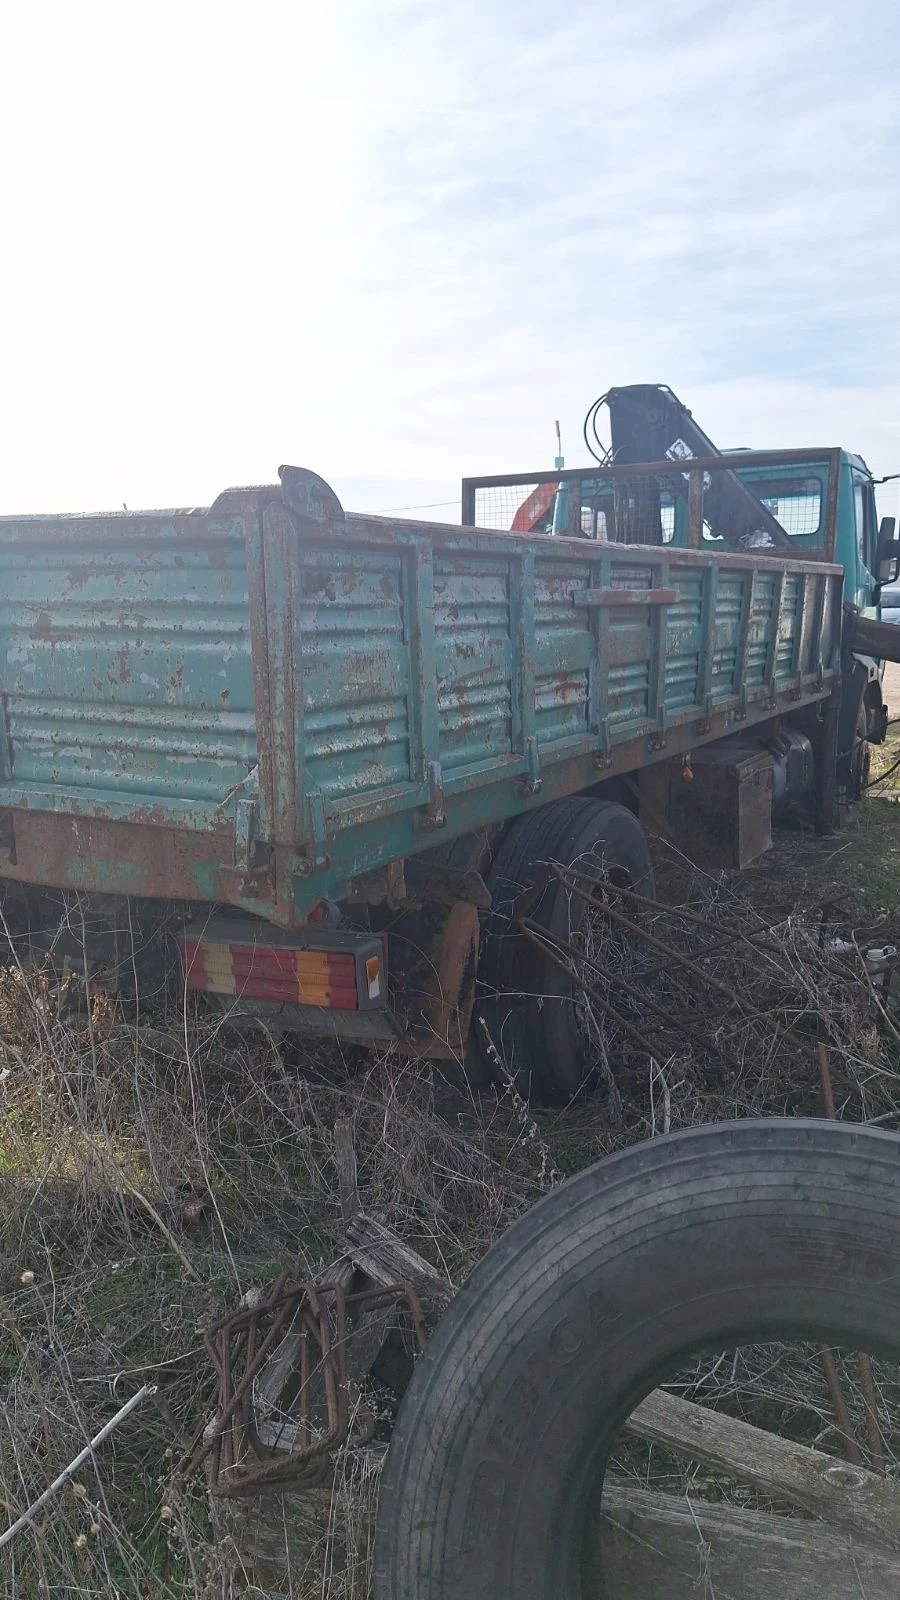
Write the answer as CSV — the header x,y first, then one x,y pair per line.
x,y
353,671
564,647
761,629
125,659
684,640
789,625
473,658
727,634
628,646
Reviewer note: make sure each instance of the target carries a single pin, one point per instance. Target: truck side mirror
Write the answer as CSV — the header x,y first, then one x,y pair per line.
x,y
887,563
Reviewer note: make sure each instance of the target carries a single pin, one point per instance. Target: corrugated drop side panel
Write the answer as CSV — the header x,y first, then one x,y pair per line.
x,y
629,646
631,575
789,627
762,623
126,663
684,641
354,671
563,651
473,650
729,611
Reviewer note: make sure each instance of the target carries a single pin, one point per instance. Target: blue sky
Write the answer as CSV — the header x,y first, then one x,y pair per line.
x,y
395,241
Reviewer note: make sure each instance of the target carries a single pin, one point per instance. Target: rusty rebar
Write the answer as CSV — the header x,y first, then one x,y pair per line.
x,y
752,938
693,1034
839,1407
664,948
539,937
825,1085
241,1342
870,1407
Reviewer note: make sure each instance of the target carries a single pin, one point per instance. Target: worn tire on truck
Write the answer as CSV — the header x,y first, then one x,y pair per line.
x,y
526,1002
724,1235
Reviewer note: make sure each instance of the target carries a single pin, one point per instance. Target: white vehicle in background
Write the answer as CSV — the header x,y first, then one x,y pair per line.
x,y
890,603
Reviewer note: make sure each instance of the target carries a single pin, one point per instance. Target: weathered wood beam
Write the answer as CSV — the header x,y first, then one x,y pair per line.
x,y
848,1498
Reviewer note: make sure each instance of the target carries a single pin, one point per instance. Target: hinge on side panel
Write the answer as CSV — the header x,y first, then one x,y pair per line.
x,y
435,815
316,854
603,757
246,820
532,783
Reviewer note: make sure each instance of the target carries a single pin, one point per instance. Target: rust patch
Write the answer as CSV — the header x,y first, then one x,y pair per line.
x,y
43,628
128,858
175,681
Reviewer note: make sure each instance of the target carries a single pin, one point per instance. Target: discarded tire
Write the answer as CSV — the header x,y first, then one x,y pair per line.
x,y
728,1234
527,1003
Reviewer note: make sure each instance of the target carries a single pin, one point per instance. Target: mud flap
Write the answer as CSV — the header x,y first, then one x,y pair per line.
x,y
433,962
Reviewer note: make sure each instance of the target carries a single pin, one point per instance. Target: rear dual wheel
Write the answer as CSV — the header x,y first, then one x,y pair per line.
x,y
528,1005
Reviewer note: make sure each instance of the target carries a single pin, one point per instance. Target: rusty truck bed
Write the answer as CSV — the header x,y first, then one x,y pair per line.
x,y
254,703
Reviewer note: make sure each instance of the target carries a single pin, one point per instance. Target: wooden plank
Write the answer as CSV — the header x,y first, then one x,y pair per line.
x,y
387,1260
656,1547
849,1499
345,1161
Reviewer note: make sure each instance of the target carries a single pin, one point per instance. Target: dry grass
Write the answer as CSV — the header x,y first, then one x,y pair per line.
x,y
154,1168
113,1135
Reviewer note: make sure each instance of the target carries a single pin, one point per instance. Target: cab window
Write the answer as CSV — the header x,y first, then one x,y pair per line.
x,y
865,529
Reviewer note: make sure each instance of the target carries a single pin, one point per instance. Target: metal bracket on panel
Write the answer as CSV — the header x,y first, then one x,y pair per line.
x,y
316,854
435,814
740,714
705,723
309,496
603,757
246,819
532,783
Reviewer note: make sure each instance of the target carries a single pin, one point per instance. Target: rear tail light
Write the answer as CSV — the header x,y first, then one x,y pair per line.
x,y
341,971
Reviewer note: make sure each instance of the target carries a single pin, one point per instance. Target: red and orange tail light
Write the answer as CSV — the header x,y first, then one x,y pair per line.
x,y
251,961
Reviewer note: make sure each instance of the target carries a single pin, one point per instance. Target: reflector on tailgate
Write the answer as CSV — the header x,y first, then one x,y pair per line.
x,y
233,956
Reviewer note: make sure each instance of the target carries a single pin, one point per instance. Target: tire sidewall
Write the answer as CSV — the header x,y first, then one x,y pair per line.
x,y
614,842
527,1001
715,1238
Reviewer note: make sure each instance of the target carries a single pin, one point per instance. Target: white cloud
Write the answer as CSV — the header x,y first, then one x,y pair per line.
x,y
394,241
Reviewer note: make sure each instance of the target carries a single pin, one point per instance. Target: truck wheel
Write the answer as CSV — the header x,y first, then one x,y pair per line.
x,y
528,1005
723,1235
